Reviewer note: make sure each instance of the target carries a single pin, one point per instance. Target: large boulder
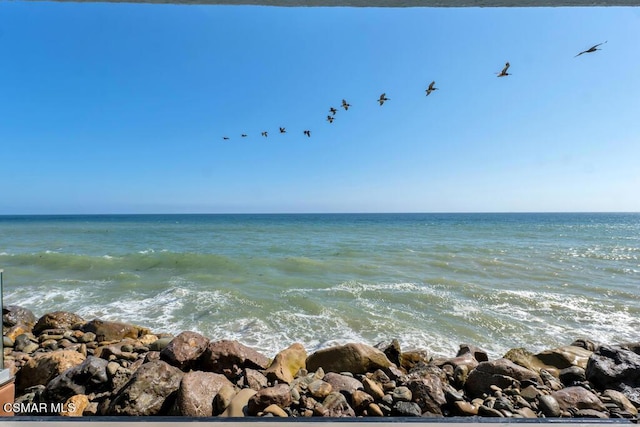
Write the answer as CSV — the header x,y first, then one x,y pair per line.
x,y
279,394
148,390
426,386
239,403
577,398
113,331
501,373
616,368
287,363
184,350
552,361
88,377
13,315
44,367
197,391
342,383
230,357
354,358
57,320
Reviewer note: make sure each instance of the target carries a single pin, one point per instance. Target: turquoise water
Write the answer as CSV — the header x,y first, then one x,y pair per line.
x,y
431,280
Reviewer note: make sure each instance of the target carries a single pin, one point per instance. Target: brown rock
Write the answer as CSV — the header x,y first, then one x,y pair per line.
x,y
319,389
410,359
238,405
621,400
476,352
17,330
254,379
231,355
361,400
335,405
275,410
147,390
465,409
57,320
13,315
343,383
75,406
287,363
526,412
184,350
113,331
197,391
354,358
279,394
223,398
43,367
372,388
579,398
374,410
427,391
500,372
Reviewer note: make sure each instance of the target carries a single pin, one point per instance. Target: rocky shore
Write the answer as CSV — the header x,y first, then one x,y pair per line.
x,y
97,367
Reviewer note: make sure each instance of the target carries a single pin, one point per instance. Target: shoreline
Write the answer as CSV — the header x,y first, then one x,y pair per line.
x,y
81,367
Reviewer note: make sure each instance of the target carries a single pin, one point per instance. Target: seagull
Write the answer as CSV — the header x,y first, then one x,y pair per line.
x,y
330,119
225,138
504,71
431,88
333,111
591,49
282,130
308,133
345,105
382,99
244,135
264,134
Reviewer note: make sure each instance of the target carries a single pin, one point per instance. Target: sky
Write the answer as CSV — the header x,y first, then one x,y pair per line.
x,y
122,108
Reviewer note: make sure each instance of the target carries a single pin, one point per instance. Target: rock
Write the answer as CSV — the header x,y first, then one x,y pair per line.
x,y
549,406
43,367
406,409
225,355
184,350
13,315
589,413
21,341
17,330
254,379
530,393
586,344
7,341
197,391
477,353
391,349
485,411
427,389
354,358
465,409
360,400
572,374
319,389
147,391
372,388
335,405
500,372
224,397
287,363
30,348
563,357
374,410
616,368
279,394
275,410
343,383
579,398
402,393
57,320
526,412
238,405
75,406
621,401
113,331
159,344
411,359
88,377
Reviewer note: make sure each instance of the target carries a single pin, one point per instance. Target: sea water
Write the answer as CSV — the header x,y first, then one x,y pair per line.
x,y
433,281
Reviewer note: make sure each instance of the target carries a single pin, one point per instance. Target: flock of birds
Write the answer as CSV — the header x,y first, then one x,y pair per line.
x,y
383,97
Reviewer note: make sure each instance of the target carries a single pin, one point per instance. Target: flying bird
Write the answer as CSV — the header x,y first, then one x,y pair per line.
x,y
225,138
504,73
431,88
244,135
330,119
333,111
264,134
383,98
282,130
345,105
591,49
308,133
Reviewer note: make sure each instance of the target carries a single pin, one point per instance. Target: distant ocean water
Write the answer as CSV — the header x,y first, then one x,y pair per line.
x,y
430,280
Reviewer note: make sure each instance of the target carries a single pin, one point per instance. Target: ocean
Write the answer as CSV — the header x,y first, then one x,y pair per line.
x,y
433,281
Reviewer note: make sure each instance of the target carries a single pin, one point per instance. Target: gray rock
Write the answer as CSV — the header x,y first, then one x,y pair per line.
x,y
402,394
477,353
391,349
184,350
406,409
148,390
7,342
254,379
335,405
572,375
549,406
427,389
197,392
57,320
616,368
501,373
225,355
15,315
159,344
578,398
88,377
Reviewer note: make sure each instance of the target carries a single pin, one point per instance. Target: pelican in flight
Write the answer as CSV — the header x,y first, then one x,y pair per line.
x,y
431,88
264,134
504,73
591,49
283,130
225,138
345,105
308,133
333,111
383,98
330,119
244,135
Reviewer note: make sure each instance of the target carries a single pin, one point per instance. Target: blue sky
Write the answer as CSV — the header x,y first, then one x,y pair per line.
x,y
121,108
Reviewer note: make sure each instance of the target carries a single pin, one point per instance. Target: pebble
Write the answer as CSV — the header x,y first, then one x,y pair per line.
x,y
407,409
549,406
485,411
112,368
275,410
30,348
402,394
374,410
465,408
372,388
7,342
87,337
